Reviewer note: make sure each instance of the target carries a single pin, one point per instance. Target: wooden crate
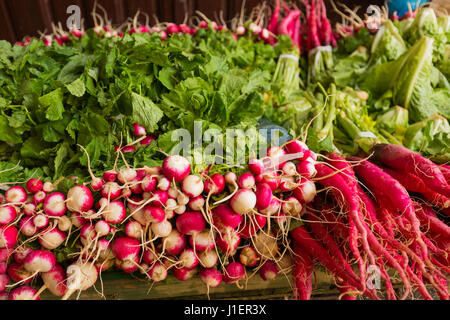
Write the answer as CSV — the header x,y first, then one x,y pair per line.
x,y
120,286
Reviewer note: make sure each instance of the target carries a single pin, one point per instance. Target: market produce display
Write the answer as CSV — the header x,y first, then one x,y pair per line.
x,y
93,179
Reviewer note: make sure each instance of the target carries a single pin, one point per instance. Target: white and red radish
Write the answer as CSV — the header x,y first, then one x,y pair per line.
x,y
17,273
4,282
7,214
55,204
228,242
268,271
208,258
23,293
176,168
202,241
79,199
40,221
52,238
16,195
192,186
34,185
306,169
111,190
296,146
39,197
272,178
215,184
190,223
256,166
138,130
211,277
188,258
243,201
29,209
153,214
125,248
263,195
114,212
273,208
289,169
292,207
55,280
184,274
126,175
163,183
133,229
306,191
158,272
109,176
224,217
48,187
77,220
39,261
64,223
9,236
174,243
161,229
233,272
197,203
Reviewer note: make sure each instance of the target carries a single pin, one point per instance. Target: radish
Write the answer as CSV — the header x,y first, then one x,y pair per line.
x,y
16,194
3,267
248,257
55,281
34,185
77,220
23,293
8,236
138,130
148,257
224,217
268,271
64,223
234,272
114,212
287,184
174,243
256,166
4,254
109,176
188,258
153,214
54,204
202,241
228,242
47,187
176,167
125,248
215,184
306,191
273,208
266,245
148,183
292,207
7,214
133,229
159,198
81,276
172,193
40,221
276,154
163,183
17,273
289,169
27,227
296,146
134,188
39,261
29,209
184,274
111,190
306,169
230,178
2,198
272,179
161,229
246,181
52,238
158,272
39,197
79,199
197,203
192,186
211,277
190,223
126,175
147,141
180,209
4,282
240,30
208,258
243,201
128,266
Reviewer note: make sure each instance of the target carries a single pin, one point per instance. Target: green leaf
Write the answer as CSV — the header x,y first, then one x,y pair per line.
x,y
61,154
76,88
145,112
54,103
7,134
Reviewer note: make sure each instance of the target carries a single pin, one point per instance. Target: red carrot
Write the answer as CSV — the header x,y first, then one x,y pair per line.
x,y
405,160
302,275
413,183
272,26
430,220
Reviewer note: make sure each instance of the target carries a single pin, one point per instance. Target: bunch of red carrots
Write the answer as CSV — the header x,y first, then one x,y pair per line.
x,y
382,213
308,30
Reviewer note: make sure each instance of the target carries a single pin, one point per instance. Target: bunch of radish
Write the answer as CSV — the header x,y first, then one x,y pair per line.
x,y
369,218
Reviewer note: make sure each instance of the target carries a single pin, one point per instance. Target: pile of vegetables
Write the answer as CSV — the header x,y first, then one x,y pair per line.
x,y
93,180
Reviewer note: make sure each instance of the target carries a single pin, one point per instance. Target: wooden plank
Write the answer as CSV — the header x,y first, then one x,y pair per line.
x,y
26,17
46,13
212,9
7,32
183,9
118,286
148,7
59,11
115,10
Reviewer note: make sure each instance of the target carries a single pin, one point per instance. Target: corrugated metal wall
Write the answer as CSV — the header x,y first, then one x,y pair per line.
x,y
20,18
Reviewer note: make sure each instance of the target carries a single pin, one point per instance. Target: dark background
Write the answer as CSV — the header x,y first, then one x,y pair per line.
x,y
20,18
